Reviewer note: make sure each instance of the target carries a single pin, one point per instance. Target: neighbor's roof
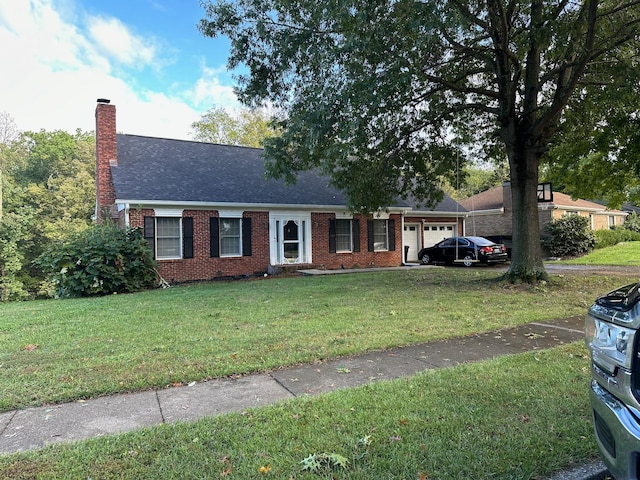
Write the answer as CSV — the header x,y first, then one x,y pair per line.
x,y
492,200
563,200
163,170
488,200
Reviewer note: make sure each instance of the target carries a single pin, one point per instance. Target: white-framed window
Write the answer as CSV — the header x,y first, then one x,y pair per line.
x,y
230,237
612,221
380,235
344,235
168,238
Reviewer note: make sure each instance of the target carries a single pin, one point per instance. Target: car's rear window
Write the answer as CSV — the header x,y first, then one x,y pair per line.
x,y
480,241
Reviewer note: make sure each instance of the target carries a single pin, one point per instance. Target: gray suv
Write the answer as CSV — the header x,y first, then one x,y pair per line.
x,y
611,329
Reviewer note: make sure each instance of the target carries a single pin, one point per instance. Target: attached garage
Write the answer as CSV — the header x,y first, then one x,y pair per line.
x,y
419,235
424,228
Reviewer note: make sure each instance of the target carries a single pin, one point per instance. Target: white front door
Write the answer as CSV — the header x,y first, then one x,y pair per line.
x,y
290,238
411,238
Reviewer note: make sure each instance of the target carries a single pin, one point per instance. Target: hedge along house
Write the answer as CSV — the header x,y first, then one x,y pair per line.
x,y
209,212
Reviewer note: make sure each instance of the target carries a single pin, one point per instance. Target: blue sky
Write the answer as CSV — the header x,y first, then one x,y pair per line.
x,y
146,56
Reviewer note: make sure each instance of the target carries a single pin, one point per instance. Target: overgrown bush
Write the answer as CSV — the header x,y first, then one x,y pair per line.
x,y
608,238
632,222
569,236
99,261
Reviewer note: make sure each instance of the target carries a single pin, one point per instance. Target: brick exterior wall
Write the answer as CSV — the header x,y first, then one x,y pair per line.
x,y
322,258
203,267
490,225
106,155
597,221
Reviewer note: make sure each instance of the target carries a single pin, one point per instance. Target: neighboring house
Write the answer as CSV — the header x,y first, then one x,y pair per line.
x,y
209,211
490,212
630,208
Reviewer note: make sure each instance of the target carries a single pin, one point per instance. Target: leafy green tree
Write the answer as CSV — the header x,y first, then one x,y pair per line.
x,y
13,231
8,134
247,128
475,179
596,154
49,183
380,94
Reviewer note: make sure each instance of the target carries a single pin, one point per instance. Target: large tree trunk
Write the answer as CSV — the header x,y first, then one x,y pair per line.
x,y
526,255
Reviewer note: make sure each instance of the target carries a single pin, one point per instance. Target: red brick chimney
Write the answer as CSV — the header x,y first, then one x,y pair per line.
x,y
106,156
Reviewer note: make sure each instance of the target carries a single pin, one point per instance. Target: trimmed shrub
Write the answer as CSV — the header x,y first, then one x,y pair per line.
x,y
102,260
609,238
569,236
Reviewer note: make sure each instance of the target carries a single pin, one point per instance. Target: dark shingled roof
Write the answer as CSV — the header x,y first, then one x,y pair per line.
x,y
177,171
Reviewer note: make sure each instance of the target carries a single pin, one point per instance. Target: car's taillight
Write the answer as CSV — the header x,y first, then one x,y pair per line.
x,y
504,249
486,250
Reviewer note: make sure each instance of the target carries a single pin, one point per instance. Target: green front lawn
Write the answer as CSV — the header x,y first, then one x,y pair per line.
x,y
623,254
56,351
517,417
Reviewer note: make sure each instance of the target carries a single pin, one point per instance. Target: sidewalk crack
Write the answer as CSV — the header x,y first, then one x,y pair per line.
x,y
162,419
551,325
8,423
283,386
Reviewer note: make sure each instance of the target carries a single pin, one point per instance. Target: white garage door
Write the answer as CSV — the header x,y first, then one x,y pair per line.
x,y
435,232
411,239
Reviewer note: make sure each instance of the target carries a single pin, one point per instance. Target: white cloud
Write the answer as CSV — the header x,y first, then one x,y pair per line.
x,y
209,91
114,38
55,67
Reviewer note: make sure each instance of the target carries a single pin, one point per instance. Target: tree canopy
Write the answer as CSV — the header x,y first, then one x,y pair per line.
x,y
386,96
49,193
246,127
596,153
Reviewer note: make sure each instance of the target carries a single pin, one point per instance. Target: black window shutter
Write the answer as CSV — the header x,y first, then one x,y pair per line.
x,y
355,225
187,237
149,233
214,237
370,235
392,234
246,237
332,235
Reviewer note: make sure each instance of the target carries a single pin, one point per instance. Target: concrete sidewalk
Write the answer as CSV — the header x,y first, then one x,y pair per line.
x,y
34,428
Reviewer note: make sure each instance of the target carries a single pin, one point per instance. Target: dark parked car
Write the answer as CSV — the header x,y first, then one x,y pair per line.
x,y
465,250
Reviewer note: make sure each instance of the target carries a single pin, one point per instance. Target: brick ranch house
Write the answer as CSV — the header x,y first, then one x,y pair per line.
x,y
209,212
490,213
